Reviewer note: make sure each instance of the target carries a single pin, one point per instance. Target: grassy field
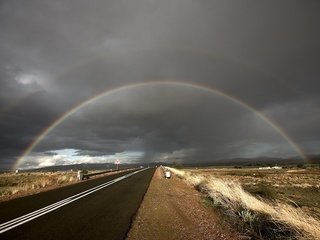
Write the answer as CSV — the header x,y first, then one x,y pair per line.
x,y
297,187
264,204
14,185
21,184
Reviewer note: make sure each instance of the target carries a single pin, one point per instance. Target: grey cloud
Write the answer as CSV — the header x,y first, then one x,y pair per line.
x,y
55,54
160,120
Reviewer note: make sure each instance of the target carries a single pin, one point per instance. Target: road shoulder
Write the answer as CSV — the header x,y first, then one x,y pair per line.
x,y
172,210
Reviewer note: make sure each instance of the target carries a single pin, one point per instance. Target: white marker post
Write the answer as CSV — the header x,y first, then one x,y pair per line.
x,y
117,162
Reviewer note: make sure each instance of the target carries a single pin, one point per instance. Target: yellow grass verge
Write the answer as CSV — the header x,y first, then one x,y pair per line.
x,y
233,194
11,184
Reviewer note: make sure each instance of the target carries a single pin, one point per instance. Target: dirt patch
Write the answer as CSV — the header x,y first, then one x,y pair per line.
x,y
173,210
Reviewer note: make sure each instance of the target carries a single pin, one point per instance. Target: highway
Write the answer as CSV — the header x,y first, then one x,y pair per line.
x,y
101,208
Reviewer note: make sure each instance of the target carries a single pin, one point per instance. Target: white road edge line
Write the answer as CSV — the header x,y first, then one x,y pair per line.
x,y
3,225
35,214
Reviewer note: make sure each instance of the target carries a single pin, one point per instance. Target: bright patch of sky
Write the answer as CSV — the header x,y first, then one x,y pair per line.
x,y
27,79
33,81
70,156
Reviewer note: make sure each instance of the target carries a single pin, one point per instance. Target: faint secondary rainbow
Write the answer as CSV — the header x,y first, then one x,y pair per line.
x,y
108,92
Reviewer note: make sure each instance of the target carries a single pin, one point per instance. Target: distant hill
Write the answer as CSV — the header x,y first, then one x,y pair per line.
x,y
89,166
259,161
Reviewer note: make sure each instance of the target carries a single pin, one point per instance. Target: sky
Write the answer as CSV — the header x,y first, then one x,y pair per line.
x,y
57,54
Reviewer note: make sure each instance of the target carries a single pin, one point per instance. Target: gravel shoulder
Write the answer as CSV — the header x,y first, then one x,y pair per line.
x,y
172,210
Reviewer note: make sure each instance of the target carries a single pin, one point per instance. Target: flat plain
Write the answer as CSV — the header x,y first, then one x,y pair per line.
x,y
269,203
294,186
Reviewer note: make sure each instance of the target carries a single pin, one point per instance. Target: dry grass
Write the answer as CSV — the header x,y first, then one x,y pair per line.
x,y
231,196
13,184
17,185
296,187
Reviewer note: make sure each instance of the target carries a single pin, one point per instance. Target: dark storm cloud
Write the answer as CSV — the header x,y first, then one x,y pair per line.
x,y
55,54
162,121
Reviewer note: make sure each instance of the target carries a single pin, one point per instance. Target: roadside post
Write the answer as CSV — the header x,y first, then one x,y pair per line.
x,y
80,175
167,174
117,162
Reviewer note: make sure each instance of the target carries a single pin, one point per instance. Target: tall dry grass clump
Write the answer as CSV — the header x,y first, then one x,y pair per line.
x,y
264,217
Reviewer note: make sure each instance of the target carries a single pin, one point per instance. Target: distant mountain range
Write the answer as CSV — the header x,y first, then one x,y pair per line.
x,y
259,161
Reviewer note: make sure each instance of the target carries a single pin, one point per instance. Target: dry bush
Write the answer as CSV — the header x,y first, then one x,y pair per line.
x,y
272,220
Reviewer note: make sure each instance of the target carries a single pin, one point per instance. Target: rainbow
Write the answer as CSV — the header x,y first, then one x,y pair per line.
x,y
109,92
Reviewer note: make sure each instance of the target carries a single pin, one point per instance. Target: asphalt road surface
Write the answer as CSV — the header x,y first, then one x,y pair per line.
x,y
97,209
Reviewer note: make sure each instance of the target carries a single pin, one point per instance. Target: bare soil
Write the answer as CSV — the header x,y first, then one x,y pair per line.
x,y
173,210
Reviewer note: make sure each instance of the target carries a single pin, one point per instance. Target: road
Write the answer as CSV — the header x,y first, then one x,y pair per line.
x,y
103,212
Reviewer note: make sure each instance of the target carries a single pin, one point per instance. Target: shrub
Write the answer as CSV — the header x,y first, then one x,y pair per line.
x,y
263,191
